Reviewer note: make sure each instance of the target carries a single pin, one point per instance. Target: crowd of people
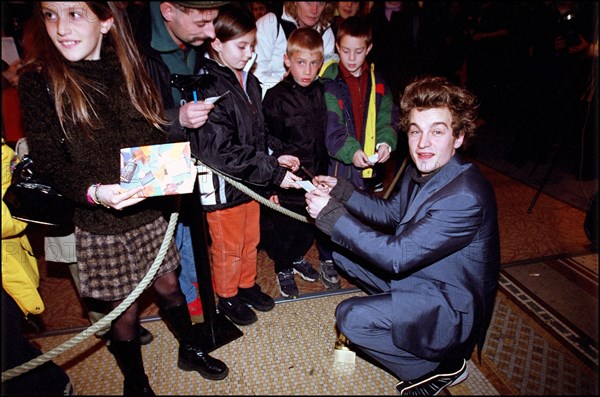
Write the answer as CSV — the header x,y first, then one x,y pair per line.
x,y
316,91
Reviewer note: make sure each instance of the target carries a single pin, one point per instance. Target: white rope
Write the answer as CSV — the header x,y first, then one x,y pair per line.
x,y
106,320
243,188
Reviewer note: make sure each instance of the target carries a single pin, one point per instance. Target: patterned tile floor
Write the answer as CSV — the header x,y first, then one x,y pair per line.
x,y
540,345
289,351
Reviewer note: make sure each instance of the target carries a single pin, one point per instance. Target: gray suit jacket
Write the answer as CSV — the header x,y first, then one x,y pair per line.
x,y
443,259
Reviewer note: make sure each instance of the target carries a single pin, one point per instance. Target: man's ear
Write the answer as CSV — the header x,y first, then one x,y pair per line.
x,y
167,9
459,141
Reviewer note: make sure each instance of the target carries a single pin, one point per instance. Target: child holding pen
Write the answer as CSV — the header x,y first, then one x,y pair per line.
x,y
233,142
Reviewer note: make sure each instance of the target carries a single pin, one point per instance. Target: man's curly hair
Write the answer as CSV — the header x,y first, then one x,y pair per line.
x,y
437,92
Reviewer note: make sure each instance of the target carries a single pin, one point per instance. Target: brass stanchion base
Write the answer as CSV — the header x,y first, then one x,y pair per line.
x,y
342,353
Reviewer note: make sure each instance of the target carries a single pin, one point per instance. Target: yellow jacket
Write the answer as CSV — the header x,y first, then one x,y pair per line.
x,y
20,275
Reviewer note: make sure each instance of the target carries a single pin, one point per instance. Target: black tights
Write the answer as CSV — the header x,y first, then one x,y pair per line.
x,y
124,327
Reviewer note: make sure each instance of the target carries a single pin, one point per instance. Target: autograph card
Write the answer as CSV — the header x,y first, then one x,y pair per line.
x,y
373,158
214,99
161,169
306,185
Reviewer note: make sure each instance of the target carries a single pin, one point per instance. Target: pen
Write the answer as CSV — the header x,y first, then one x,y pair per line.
x,y
307,172
195,96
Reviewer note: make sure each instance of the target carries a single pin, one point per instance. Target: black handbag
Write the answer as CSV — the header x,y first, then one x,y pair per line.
x,y
30,199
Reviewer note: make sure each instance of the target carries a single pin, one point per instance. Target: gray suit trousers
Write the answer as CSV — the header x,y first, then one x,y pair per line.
x,y
367,322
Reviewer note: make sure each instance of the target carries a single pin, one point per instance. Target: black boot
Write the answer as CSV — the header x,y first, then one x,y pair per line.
x,y
191,355
129,357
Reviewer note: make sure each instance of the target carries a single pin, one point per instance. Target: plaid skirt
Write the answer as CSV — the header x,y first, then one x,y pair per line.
x,y
111,266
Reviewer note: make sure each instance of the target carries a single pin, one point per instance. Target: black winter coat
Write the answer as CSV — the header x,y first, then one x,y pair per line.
x,y
233,140
296,119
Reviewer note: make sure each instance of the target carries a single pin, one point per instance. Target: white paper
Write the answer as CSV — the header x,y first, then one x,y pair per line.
x,y
373,158
214,99
9,50
306,185
250,63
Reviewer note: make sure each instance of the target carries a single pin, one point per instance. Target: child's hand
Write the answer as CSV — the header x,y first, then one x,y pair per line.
x,y
274,199
290,181
289,161
361,160
112,196
384,153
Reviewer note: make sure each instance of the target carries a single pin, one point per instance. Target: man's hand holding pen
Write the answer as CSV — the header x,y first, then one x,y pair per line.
x,y
194,114
317,199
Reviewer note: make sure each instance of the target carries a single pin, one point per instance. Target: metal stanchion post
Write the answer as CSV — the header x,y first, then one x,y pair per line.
x,y
216,330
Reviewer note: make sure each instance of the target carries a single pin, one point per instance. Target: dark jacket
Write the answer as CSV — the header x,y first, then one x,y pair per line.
x,y
159,71
443,258
296,119
233,140
81,162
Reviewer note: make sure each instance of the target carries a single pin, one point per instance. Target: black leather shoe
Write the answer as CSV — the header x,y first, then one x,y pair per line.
x,y
137,388
192,358
237,311
256,298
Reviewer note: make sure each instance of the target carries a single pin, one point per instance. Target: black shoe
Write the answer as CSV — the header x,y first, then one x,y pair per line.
x,y
129,358
137,388
237,311
256,298
448,373
192,358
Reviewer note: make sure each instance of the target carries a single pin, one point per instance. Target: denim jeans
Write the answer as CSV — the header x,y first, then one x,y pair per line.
x,y
187,274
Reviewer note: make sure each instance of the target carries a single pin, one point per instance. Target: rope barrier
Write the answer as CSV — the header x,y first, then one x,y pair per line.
x,y
106,320
245,189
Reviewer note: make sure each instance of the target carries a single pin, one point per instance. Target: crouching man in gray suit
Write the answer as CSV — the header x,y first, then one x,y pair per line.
x,y
428,257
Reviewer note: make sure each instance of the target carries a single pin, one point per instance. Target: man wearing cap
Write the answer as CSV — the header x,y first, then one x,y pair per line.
x,y
170,35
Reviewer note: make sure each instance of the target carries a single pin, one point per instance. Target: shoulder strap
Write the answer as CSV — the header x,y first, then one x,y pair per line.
x,y
287,26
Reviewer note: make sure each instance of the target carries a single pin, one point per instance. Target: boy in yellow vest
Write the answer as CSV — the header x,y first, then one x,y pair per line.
x,y
362,117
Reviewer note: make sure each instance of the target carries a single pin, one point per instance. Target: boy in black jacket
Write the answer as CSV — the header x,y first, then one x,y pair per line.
x,y
296,117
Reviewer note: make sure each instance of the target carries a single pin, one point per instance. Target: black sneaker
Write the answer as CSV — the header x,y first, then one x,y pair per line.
x,y
287,284
448,373
254,297
329,275
237,311
302,267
